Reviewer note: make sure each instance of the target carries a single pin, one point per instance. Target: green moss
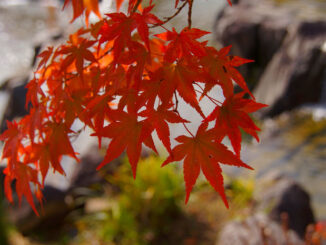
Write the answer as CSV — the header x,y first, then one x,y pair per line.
x,y
143,210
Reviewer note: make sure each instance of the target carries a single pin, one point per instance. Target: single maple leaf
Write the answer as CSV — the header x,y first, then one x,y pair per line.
x,y
180,77
79,6
183,44
77,53
127,133
232,115
118,29
12,136
219,70
159,120
91,6
142,21
24,174
203,152
118,3
33,121
45,55
96,112
58,144
138,58
33,92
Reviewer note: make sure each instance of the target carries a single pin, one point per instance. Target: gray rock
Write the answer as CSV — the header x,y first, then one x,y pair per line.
x,y
15,105
256,30
295,74
290,63
256,230
85,178
52,214
287,197
281,215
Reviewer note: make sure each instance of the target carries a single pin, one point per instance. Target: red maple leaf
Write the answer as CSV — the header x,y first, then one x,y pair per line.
x,y
77,52
79,6
219,70
183,44
232,115
159,120
203,152
127,133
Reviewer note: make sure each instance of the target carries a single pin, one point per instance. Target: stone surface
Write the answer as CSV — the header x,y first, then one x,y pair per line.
x,y
85,174
52,214
256,230
295,74
288,50
256,30
287,197
281,215
15,106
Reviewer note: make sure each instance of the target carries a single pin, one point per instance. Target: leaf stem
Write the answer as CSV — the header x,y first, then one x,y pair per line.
x,y
215,101
136,6
190,13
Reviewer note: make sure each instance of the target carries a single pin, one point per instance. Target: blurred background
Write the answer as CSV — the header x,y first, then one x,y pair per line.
x,y
281,202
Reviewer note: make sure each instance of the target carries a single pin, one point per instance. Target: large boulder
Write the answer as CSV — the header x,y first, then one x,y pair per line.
x,y
289,52
296,73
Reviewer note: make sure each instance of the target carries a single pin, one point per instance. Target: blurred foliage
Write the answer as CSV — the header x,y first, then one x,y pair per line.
x,y
240,192
3,227
149,210
143,210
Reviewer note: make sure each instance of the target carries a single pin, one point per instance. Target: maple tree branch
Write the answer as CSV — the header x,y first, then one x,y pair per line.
x,y
136,6
167,19
190,13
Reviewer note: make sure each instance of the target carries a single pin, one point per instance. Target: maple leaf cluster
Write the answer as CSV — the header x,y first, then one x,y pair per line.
x,y
124,83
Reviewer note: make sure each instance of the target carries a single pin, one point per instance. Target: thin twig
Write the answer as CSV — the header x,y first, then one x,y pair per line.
x,y
167,19
176,111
